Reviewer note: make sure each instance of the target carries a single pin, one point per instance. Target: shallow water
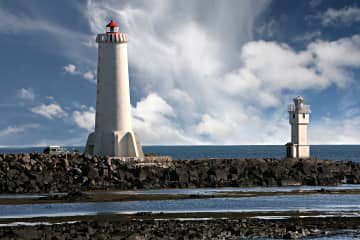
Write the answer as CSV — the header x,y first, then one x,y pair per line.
x,y
196,191
204,191
341,235
22,196
333,204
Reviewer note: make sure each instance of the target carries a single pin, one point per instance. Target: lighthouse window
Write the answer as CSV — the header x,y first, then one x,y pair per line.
x,y
293,115
304,115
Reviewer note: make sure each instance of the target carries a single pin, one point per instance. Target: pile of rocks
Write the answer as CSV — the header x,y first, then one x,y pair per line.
x,y
180,229
35,173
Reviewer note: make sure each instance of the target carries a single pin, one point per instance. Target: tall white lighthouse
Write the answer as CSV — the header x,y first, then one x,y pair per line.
x,y
299,117
113,134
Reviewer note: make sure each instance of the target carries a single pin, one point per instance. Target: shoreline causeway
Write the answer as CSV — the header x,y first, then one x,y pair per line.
x,y
41,173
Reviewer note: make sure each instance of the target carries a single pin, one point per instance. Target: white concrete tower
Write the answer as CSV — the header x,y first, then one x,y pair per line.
x,y
113,134
299,117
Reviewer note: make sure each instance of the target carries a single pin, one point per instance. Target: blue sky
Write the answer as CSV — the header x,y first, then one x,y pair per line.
x,y
201,72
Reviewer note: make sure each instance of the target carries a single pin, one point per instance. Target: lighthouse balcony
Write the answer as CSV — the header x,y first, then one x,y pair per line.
x,y
302,109
112,38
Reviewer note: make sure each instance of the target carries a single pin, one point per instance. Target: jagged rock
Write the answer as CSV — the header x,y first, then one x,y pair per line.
x,y
93,173
56,173
180,229
12,173
25,158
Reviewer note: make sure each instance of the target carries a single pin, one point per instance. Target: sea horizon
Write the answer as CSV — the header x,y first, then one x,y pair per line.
x,y
193,152
180,145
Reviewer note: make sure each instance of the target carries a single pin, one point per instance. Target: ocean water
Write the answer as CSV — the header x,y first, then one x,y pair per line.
x,y
331,152
194,191
324,204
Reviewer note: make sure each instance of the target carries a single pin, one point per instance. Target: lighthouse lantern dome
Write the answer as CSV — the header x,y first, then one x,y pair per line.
x,y
112,27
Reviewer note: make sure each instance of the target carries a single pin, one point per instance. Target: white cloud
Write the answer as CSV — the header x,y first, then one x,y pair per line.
x,y
335,131
215,127
207,81
330,60
51,98
13,130
202,77
26,94
346,15
85,119
90,76
153,121
70,68
50,111
74,70
269,69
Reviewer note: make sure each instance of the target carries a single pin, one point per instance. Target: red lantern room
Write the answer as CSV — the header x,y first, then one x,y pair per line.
x,y
112,27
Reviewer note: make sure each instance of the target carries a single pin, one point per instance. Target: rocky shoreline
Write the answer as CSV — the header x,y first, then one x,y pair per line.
x,y
41,173
183,228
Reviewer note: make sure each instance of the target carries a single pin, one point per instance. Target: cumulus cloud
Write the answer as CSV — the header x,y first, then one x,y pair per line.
x,y
153,121
200,76
85,119
26,94
214,127
13,130
90,76
346,15
330,61
203,80
269,68
50,111
74,70
70,68
341,130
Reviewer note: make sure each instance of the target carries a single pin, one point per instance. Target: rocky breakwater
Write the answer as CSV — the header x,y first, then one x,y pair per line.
x,y
41,173
182,229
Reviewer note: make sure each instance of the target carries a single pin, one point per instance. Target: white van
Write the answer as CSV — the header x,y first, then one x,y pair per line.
x,y
55,150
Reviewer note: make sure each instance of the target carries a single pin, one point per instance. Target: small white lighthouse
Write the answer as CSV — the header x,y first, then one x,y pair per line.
x,y
299,117
113,134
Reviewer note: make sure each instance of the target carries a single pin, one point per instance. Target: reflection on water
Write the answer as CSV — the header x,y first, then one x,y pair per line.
x,y
22,196
330,203
341,235
240,189
196,191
